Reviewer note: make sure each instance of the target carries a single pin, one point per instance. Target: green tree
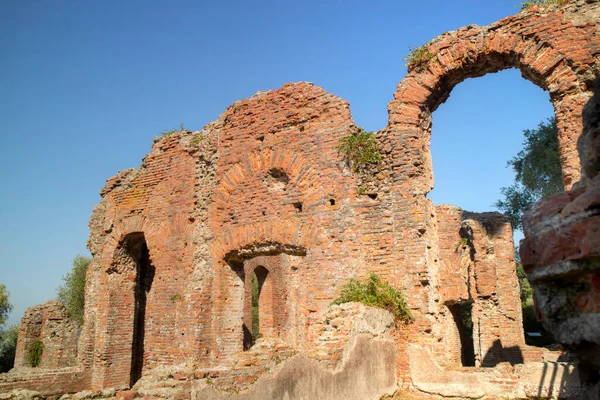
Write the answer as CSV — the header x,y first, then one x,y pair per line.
x,y
5,306
537,172
72,292
525,288
8,346
8,337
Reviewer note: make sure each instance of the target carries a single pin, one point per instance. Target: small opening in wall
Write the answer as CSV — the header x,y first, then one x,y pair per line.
x,y
261,138
279,175
332,202
372,196
264,213
298,207
232,218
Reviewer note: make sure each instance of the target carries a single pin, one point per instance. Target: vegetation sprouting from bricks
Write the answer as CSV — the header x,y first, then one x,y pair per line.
x,y
360,148
376,293
34,352
531,3
172,131
418,57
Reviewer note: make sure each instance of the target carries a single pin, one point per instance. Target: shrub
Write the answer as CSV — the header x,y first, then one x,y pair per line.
x,y
531,3
418,57
34,352
360,148
376,293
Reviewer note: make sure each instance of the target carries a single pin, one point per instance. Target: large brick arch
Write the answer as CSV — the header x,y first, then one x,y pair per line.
x,y
475,51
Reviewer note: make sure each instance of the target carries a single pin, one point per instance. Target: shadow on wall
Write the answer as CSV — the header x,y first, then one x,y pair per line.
x,y
498,354
556,379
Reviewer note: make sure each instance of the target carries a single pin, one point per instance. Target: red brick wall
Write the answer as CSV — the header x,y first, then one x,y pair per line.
x,y
266,182
46,381
49,323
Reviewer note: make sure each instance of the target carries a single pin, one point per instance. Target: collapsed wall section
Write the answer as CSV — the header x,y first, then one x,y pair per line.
x,y
480,289
50,325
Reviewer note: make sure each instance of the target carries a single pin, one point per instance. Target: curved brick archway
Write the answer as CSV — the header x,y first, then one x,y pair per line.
x,y
534,48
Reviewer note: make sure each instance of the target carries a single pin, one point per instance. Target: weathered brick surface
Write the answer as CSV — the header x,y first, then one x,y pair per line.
x,y
560,254
46,381
176,241
49,323
478,268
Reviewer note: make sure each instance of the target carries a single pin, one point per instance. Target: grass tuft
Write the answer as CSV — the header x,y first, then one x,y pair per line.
x,y
418,57
531,3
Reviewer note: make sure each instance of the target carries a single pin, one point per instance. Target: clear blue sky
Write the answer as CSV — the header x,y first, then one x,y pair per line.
x,y
86,85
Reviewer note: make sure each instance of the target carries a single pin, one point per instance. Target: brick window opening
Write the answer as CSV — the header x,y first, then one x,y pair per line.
x,y
262,307
137,249
461,313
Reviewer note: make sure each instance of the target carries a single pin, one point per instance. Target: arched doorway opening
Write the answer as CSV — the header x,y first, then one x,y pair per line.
x,y
131,278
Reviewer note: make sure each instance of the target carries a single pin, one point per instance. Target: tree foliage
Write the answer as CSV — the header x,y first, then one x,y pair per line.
x,y
537,171
5,306
525,288
8,347
72,292
8,337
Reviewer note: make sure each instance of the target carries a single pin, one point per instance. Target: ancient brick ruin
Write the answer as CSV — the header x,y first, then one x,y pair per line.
x,y
50,324
263,190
